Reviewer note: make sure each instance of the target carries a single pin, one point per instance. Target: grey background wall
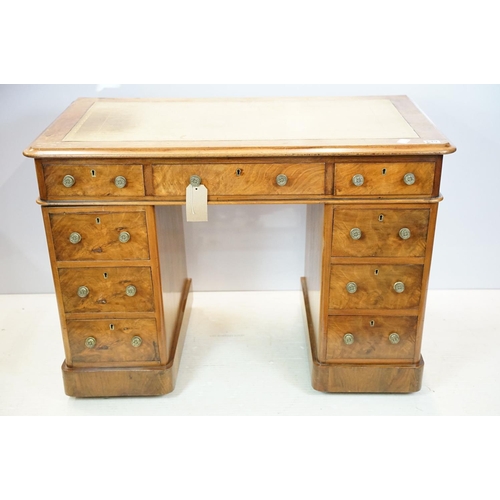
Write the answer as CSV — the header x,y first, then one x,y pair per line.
x,y
262,247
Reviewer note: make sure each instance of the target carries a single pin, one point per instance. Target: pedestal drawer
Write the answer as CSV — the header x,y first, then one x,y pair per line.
x,y
98,235
391,178
68,180
250,179
371,338
112,341
373,286
103,289
379,232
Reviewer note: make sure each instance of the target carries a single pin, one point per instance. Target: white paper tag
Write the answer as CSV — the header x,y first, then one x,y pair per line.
x,y
196,203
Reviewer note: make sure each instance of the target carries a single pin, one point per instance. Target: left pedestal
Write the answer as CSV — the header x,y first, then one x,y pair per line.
x,y
123,296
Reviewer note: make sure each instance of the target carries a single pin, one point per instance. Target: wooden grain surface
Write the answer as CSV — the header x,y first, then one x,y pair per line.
x,y
99,231
113,342
172,264
371,343
107,294
88,186
379,232
241,179
375,291
390,183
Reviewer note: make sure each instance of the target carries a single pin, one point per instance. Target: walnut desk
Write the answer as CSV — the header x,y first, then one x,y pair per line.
x,y
113,174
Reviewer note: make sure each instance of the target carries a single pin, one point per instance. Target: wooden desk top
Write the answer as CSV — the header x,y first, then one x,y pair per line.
x,y
256,127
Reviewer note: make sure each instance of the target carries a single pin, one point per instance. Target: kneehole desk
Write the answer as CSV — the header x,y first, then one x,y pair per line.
x,y
114,173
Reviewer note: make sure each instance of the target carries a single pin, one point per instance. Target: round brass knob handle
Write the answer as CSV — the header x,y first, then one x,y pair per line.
x,y
351,287
68,181
83,291
355,233
348,338
75,238
120,181
131,290
281,180
409,179
404,233
399,287
124,237
90,342
358,180
195,180
136,341
394,338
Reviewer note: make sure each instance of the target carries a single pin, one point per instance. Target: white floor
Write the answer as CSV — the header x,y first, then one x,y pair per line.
x,y
245,354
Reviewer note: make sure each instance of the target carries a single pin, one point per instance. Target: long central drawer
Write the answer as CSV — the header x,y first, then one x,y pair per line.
x,y
250,179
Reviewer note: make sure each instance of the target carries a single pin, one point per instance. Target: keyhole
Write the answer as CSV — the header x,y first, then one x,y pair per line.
x,y
239,172
92,173
372,323
97,220
380,217
384,171
111,327
105,276
376,272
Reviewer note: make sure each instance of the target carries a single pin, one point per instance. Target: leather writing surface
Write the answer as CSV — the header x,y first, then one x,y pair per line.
x,y
240,120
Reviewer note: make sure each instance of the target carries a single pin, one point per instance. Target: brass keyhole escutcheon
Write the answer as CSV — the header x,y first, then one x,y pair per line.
x,y
238,172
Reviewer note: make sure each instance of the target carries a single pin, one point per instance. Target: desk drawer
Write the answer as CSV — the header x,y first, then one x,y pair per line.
x,y
373,286
371,179
97,235
379,232
371,337
103,289
112,341
67,181
250,179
